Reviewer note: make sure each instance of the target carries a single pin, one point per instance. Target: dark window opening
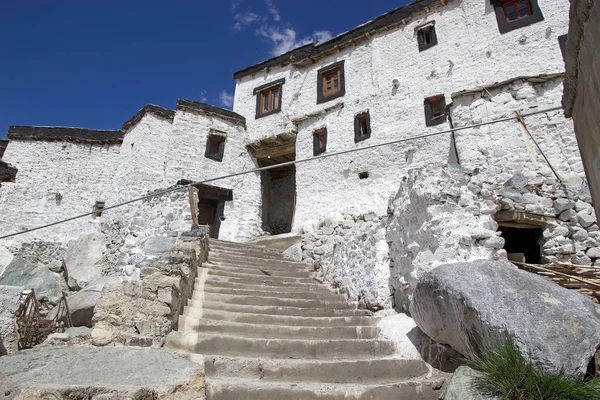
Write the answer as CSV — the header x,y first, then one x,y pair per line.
x,y
215,146
514,14
562,43
522,244
426,37
363,175
362,127
331,82
97,209
435,110
278,199
268,98
319,141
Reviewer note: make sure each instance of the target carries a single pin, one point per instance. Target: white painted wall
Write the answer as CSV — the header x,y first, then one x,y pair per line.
x,y
470,52
79,173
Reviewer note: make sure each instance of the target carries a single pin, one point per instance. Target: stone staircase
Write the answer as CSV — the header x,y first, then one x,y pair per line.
x,y
268,331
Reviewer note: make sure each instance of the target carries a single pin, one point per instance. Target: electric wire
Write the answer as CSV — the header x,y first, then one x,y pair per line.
x,y
284,164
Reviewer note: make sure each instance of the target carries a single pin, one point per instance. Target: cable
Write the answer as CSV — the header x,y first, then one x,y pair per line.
x,y
182,187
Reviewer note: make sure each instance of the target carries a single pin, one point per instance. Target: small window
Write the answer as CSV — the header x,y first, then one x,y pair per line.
x,y
426,37
435,110
215,146
362,127
514,14
268,98
330,82
97,208
319,141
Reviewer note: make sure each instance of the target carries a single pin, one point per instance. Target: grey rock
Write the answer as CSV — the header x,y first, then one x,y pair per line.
x,y
88,372
586,217
158,245
293,252
582,205
480,234
9,303
512,194
80,259
518,181
29,276
567,215
55,266
179,225
59,337
494,242
580,235
348,224
370,216
592,228
78,331
5,258
326,230
562,204
467,305
464,386
594,252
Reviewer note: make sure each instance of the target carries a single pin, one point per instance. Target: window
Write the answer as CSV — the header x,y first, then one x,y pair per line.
x,y
330,82
426,37
514,14
362,127
435,110
268,98
319,141
215,146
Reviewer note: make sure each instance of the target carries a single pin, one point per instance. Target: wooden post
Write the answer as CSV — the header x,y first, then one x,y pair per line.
x,y
191,194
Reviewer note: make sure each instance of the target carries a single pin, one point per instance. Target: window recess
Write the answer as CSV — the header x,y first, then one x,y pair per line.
x,y
319,141
268,98
362,127
426,36
331,82
515,14
435,110
215,145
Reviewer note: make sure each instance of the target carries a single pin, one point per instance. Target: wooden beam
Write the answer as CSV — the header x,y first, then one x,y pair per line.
x,y
276,151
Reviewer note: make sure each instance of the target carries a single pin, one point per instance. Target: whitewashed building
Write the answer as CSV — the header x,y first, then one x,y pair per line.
x,y
427,67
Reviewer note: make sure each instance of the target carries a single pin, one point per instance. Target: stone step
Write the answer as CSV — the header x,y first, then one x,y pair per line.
x,y
260,291
250,389
204,325
215,282
240,246
258,270
244,259
261,277
270,301
266,319
386,370
277,310
265,281
274,255
225,345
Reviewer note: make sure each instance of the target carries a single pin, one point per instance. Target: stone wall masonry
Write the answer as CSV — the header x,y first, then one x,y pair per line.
x,y
142,313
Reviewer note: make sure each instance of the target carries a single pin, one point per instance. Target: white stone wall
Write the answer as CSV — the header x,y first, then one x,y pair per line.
x,y
470,52
55,180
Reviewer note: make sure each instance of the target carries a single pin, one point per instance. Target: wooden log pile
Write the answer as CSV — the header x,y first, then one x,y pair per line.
x,y
584,278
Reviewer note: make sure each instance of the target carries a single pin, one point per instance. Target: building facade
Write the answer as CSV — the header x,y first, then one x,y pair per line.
x,y
421,69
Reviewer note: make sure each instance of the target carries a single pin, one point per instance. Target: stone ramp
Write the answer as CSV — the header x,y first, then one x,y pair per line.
x,y
267,330
100,373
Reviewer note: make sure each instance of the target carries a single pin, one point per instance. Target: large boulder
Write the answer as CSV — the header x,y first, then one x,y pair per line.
x,y
81,258
470,304
9,303
82,304
30,276
464,386
6,258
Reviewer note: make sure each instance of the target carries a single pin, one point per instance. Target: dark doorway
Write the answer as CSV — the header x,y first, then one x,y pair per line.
x,y
524,241
278,199
211,207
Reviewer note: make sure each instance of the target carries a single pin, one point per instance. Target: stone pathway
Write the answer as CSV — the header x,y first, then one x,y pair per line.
x,y
268,331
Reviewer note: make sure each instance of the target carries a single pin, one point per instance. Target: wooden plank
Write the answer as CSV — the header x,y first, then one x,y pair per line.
x,y
276,151
557,273
193,201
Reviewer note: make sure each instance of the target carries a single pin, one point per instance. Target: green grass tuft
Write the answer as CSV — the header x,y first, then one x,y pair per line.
x,y
507,374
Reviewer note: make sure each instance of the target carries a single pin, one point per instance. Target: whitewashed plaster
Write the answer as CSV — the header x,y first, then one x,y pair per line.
x,y
55,180
470,52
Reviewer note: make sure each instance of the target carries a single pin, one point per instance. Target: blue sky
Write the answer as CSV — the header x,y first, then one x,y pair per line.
x,y
94,64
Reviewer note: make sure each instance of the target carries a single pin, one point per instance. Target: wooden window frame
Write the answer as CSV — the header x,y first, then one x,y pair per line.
x,y
215,138
422,35
505,25
274,100
507,3
432,103
362,126
319,141
332,69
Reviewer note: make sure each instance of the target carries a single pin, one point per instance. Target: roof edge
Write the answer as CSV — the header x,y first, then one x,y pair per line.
x,y
209,109
159,111
67,134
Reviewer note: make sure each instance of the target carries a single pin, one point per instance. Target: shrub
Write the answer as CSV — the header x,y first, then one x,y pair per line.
x,y
506,373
